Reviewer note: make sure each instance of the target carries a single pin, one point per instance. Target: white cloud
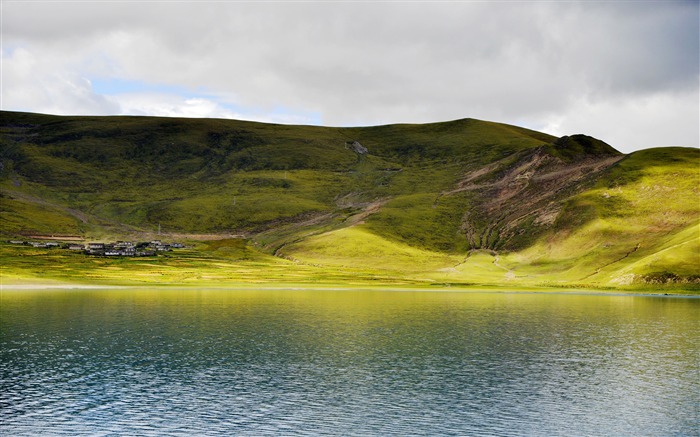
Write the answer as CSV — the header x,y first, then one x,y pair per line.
x,y
33,83
168,105
597,68
632,123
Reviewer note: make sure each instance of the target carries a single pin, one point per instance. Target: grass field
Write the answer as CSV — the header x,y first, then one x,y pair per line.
x,y
455,203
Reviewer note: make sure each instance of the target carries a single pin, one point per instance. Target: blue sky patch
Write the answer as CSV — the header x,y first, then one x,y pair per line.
x,y
112,87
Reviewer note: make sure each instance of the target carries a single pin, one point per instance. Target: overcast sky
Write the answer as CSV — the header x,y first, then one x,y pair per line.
x,y
626,72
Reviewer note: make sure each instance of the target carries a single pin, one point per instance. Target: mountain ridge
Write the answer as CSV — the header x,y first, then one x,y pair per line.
x,y
451,188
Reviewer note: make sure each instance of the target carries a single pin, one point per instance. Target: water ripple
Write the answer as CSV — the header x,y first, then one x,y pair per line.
x,y
347,363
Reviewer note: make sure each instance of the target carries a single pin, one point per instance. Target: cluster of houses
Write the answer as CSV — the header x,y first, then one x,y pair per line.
x,y
119,248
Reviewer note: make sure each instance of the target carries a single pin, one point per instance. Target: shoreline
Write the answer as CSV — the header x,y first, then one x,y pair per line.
x,y
5,287
337,287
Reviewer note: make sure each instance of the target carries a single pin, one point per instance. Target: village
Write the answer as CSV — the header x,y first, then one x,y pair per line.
x,y
119,248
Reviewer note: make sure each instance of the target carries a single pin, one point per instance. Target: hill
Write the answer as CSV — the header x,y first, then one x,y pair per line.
x,y
465,201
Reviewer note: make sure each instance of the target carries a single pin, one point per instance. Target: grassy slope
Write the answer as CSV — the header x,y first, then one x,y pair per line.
x,y
227,176
299,192
639,222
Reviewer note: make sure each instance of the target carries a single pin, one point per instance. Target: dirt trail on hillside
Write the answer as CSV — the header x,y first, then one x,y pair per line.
x,y
316,220
570,173
521,198
196,237
368,210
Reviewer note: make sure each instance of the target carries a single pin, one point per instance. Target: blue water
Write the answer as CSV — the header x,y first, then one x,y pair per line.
x,y
265,362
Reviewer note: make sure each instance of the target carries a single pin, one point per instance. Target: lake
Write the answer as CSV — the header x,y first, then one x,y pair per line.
x,y
347,362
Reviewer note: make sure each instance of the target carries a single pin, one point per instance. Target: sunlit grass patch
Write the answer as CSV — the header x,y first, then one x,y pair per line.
x,y
359,248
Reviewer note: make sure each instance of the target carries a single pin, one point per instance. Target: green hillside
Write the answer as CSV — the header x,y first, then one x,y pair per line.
x,y
458,202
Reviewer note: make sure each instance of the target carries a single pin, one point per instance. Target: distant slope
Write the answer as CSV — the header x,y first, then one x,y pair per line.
x,y
437,200
640,222
195,175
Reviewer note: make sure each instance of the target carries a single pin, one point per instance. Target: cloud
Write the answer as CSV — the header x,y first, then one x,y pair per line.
x,y
169,105
632,123
540,64
35,85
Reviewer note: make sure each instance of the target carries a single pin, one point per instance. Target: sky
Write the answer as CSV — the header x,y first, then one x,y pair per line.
x,y
626,72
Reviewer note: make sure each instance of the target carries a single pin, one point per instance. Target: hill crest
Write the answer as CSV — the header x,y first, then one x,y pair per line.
x,y
452,187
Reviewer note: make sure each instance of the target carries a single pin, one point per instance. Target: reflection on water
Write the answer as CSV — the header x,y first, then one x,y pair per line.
x,y
182,362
